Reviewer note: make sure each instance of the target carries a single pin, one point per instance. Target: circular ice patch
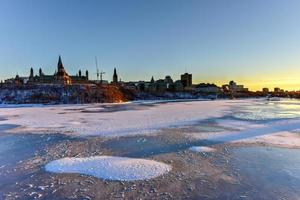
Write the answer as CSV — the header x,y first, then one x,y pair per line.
x,y
202,149
110,167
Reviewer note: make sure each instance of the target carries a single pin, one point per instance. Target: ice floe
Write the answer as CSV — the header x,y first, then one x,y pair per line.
x,y
110,167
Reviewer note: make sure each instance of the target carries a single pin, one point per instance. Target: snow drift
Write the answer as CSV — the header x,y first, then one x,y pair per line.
x,y
111,168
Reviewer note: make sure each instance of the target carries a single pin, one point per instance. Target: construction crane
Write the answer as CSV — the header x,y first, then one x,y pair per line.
x,y
97,69
99,73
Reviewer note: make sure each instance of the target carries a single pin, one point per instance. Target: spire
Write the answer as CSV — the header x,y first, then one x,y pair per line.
x,y
115,76
31,73
152,80
87,74
59,64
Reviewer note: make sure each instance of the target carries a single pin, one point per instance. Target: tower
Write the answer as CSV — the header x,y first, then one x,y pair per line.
x,y
40,72
62,76
152,80
186,80
115,76
60,66
31,73
87,74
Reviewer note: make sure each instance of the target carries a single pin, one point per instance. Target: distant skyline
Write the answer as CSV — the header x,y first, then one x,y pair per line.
x,y
254,42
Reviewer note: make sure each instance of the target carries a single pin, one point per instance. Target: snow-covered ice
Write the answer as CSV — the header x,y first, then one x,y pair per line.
x,y
245,121
202,149
282,139
274,133
70,119
109,167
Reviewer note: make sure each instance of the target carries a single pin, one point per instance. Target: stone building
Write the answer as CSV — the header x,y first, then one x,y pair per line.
x,y
186,80
158,86
233,87
60,76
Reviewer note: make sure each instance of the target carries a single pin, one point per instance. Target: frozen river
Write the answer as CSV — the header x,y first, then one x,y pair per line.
x,y
238,149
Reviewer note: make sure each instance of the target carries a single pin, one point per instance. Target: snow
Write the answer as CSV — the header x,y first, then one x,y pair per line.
x,y
275,133
110,167
282,139
274,99
247,121
69,119
202,149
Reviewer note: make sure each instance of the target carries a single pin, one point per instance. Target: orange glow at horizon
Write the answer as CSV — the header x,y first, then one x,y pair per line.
x,y
257,83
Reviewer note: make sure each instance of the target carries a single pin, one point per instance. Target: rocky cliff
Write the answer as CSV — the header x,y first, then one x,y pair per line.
x,y
64,94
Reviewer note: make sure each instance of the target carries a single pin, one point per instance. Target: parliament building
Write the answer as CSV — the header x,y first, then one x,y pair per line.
x,y
59,77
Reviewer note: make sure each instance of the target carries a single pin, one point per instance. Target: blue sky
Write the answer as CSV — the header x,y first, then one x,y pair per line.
x,y
255,42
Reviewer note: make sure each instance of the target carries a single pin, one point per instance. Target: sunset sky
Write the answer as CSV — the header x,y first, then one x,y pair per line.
x,y
254,42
